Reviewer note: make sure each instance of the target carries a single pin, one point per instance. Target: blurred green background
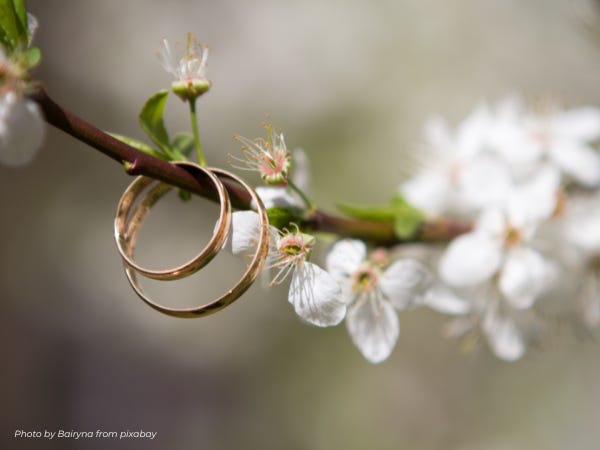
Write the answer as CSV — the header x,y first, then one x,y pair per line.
x,y
352,83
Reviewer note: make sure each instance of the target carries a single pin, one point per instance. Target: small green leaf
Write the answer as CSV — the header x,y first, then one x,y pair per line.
x,y
33,56
378,213
183,143
407,218
139,145
151,120
21,14
10,25
184,195
281,217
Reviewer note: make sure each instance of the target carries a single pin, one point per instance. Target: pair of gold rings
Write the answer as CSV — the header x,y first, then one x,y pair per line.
x,y
130,217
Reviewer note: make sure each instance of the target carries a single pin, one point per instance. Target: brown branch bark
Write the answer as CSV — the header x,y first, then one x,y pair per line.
x,y
139,163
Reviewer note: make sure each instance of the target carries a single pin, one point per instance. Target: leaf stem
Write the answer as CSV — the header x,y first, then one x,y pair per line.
x,y
309,205
194,119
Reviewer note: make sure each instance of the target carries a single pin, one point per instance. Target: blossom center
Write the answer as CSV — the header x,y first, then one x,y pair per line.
x,y
274,164
379,257
512,236
365,279
294,246
541,136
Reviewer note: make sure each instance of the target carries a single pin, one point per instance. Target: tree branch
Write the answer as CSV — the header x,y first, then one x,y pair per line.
x,y
139,163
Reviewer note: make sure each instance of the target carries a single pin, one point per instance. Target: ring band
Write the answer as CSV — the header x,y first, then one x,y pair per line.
x,y
249,276
125,239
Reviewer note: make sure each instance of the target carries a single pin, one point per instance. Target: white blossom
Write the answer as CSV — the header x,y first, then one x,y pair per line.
x,y
373,293
22,129
561,138
187,65
460,174
284,197
503,335
488,316
270,157
315,294
500,245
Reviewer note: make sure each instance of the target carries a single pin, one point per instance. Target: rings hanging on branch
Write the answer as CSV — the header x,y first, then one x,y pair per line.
x,y
128,224
130,218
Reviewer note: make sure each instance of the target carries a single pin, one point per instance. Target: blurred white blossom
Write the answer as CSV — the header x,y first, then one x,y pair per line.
x,y
22,126
22,129
560,138
501,244
460,173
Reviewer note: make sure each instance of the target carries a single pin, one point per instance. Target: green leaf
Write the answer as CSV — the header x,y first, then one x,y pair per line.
x,y
151,120
407,218
10,25
183,143
33,56
139,145
281,217
21,13
378,213
184,195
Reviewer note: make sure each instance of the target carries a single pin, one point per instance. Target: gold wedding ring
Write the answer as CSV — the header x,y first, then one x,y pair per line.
x,y
125,222
129,229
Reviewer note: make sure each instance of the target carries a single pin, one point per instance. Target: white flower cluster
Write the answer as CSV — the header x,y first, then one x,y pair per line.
x,y
363,290
528,182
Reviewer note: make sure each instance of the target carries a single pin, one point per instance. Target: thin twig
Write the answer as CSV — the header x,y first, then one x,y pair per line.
x,y
138,163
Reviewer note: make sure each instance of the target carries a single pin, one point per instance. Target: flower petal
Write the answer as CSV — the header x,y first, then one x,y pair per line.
x,y
167,58
578,160
504,337
581,124
22,129
316,296
485,182
491,222
277,197
442,299
403,282
534,201
431,192
345,257
245,231
524,277
582,226
470,259
374,328
32,26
